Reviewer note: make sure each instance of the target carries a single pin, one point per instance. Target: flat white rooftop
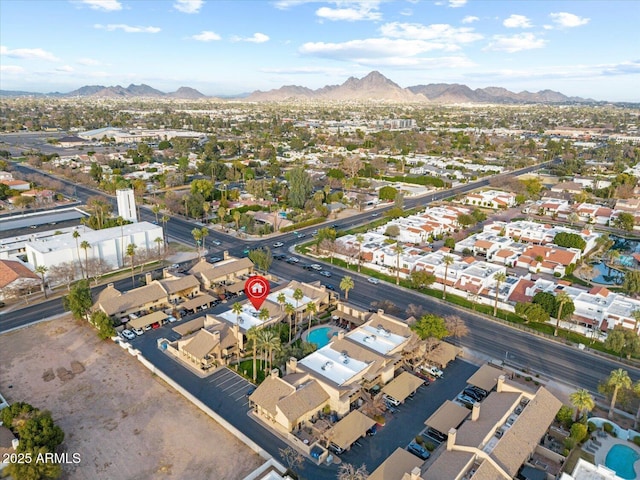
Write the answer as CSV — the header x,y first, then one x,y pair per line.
x,y
288,293
247,319
336,366
378,339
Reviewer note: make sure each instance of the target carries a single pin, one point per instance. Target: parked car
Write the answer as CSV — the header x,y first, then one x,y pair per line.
x,y
325,273
335,448
252,389
217,243
128,334
214,259
137,331
155,325
246,251
172,319
372,431
473,394
432,370
391,400
432,432
147,328
478,390
329,287
373,280
418,450
278,245
465,400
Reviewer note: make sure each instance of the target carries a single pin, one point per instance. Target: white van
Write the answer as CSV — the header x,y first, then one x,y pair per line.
x,y
431,370
389,399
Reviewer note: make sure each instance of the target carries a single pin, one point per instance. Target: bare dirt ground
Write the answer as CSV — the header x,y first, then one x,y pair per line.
x,y
124,422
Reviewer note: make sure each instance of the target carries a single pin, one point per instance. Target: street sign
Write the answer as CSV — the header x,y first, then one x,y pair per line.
x,y
256,289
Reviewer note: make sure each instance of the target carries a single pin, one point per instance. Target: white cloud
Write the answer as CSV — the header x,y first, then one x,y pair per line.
x,y
306,71
88,61
206,36
515,43
188,6
104,5
366,11
65,69
470,19
457,3
568,20
256,38
284,4
28,53
569,71
517,21
437,31
11,69
126,28
407,12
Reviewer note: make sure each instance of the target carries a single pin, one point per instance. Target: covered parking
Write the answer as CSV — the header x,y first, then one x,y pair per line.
x,y
444,353
486,377
198,301
142,322
350,429
236,287
402,386
449,415
189,327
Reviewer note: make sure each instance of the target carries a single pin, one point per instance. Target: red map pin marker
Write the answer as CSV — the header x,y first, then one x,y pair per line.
x,y
257,289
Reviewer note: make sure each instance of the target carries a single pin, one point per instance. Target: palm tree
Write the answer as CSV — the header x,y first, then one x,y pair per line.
x,y
131,252
499,277
636,316
636,390
398,250
197,236
270,343
297,296
617,379
159,242
289,310
236,218
252,337
156,210
42,270
263,314
346,284
164,219
76,235
237,310
221,213
204,233
282,299
312,308
86,246
206,206
561,299
360,240
447,260
583,401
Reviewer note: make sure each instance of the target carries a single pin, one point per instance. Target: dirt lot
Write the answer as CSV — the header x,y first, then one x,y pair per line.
x,y
124,422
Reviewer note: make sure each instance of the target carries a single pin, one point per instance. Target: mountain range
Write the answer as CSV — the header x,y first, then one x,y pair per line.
x,y
373,86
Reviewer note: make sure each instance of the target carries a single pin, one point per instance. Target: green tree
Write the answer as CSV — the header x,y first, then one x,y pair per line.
x,y
582,401
636,391
421,279
298,295
617,379
131,253
579,432
78,301
76,235
103,323
398,250
196,233
387,193
262,258
532,312
236,308
447,260
565,308
499,277
623,341
625,221
631,284
86,246
430,326
300,187
203,187
565,416
346,284
312,308
290,311
546,300
42,270
449,242
252,337
569,240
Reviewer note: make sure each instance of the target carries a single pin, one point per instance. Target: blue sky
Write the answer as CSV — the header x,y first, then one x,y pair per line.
x,y
582,48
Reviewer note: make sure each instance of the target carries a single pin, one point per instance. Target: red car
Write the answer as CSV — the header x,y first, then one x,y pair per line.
x,y
155,325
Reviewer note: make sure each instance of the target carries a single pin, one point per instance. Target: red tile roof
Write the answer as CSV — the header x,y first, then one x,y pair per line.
x,y
10,271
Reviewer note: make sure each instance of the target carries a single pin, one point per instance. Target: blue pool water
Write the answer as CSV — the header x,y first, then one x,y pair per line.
x,y
621,459
319,336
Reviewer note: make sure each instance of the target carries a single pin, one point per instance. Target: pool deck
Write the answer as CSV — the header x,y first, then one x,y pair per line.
x,y
608,442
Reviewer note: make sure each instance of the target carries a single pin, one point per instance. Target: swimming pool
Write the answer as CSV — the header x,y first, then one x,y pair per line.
x,y
320,336
621,459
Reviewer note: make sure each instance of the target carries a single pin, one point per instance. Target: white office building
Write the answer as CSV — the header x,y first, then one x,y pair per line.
x,y
127,204
109,245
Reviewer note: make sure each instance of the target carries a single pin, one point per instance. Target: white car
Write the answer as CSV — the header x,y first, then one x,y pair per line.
x,y
373,280
137,331
431,370
278,245
128,334
172,319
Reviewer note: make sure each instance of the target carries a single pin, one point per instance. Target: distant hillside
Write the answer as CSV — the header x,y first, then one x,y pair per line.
x,y
372,87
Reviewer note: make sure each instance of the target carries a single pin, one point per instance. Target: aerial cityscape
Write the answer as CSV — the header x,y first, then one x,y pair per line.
x,y
293,239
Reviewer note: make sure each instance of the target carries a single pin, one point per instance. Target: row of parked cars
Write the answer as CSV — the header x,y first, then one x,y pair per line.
x,y
470,395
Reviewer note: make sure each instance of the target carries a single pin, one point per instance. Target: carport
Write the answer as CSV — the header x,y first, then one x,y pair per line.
x,y
147,320
402,386
197,302
443,354
350,429
189,327
236,287
486,377
449,415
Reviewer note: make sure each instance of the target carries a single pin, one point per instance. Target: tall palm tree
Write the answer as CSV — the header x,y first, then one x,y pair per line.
x,y
499,277
263,314
197,236
159,241
447,260
131,252
204,233
636,390
582,401
636,316
360,240
206,206
221,214
164,219
236,308
42,270
617,379
236,218
76,236
290,310
252,337
398,251
297,296
312,308
561,299
156,210
270,343
346,284
282,299
86,246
